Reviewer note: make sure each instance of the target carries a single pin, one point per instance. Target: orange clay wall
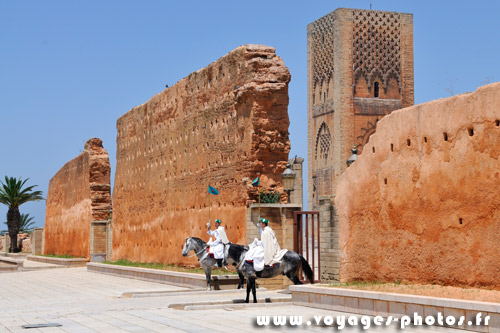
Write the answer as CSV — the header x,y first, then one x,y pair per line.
x,y
221,125
78,194
421,203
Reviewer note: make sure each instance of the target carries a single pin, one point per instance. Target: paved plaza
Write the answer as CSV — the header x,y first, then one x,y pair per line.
x,y
82,301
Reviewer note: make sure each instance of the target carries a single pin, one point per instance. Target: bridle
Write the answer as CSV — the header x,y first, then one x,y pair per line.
x,y
196,253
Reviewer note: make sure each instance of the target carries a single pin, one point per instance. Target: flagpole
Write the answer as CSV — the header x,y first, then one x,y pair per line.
x,y
209,206
258,190
256,183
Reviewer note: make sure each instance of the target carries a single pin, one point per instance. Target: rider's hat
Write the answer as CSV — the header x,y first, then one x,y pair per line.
x,y
218,221
263,220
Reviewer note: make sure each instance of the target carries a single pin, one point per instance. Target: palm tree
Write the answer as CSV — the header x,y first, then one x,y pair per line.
x,y
13,195
26,224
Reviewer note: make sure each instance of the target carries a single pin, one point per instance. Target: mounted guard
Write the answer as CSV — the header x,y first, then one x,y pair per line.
x,y
217,247
267,251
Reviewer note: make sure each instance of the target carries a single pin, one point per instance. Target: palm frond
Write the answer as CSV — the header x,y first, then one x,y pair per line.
x,y
26,224
13,194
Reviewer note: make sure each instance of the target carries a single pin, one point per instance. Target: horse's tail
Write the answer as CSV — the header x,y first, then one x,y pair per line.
x,y
307,269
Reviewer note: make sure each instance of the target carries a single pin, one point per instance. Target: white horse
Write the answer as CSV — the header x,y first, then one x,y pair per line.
x,y
200,249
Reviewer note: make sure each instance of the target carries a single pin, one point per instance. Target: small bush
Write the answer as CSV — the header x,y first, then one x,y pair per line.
x,y
269,197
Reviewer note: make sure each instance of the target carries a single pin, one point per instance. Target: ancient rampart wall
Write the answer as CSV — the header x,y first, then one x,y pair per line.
x,y
422,201
220,126
79,193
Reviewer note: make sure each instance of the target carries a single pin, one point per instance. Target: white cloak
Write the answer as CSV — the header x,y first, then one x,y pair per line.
x,y
217,246
266,251
272,250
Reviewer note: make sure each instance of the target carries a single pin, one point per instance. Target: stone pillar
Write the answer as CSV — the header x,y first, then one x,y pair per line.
x,y
6,242
280,218
329,240
296,197
109,241
98,241
5,247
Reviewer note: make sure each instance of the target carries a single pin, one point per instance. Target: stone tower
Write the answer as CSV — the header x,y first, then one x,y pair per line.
x,y
360,68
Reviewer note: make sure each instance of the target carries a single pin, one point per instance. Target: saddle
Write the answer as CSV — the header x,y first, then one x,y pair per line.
x,y
209,254
268,271
250,262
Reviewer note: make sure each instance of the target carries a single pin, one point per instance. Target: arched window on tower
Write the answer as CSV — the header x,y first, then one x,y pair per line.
x,y
323,141
376,88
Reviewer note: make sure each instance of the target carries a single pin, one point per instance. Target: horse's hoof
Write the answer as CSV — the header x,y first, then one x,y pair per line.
x,y
255,301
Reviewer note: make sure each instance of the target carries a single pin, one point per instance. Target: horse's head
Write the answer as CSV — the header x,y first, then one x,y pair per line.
x,y
188,246
235,253
192,243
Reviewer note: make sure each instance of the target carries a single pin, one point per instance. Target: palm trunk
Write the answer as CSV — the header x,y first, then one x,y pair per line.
x,y
13,220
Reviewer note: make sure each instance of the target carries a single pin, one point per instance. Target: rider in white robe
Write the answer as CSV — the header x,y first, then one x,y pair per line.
x,y
217,246
267,251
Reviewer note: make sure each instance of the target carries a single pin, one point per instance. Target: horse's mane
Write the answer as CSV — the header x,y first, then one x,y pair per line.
x,y
200,242
241,247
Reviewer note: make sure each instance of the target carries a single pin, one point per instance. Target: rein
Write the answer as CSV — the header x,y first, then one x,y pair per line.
x,y
230,269
196,253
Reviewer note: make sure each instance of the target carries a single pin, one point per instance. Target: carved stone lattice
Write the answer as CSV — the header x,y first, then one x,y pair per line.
x,y
322,50
323,140
376,46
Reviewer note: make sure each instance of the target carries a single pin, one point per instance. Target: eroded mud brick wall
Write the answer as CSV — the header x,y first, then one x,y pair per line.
x,y
421,203
220,126
79,193
360,68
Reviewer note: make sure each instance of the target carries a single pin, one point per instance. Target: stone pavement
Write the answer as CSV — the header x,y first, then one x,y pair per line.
x,y
35,265
8,260
82,301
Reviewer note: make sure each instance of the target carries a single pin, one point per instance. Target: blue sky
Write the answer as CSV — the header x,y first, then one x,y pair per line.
x,y
69,69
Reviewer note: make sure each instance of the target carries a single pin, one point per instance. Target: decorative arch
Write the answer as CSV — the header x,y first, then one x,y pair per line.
x,y
392,85
373,76
391,74
360,87
323,142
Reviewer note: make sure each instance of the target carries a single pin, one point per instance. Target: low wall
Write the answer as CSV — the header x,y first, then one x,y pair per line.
x,y
396,306
69,262
18,262
421,203
23,241
181,279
